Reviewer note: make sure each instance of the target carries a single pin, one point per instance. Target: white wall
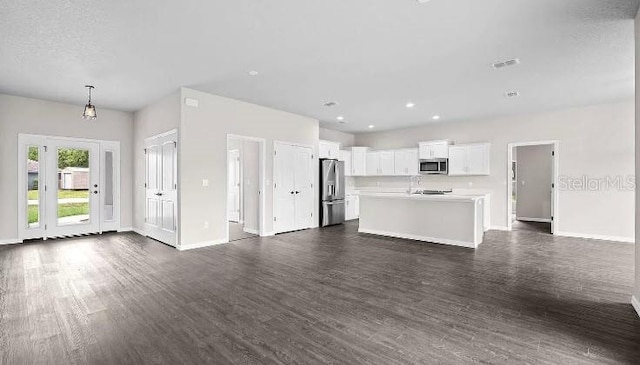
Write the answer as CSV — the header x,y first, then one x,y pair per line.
x,y
534,166
636,291
33,116
159,117
203,138
345,139
596,141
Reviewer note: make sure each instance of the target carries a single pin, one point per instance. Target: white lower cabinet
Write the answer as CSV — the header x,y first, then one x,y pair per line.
x,y
352,208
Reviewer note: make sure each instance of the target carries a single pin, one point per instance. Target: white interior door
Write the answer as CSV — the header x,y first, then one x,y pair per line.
x,y
293,189
234,185
73,186
161,188
303,181
284,188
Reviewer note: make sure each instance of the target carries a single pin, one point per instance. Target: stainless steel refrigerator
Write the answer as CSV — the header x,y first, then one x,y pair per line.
x,y
332,206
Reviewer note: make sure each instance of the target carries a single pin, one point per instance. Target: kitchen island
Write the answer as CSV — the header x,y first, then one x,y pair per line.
x,y
446,219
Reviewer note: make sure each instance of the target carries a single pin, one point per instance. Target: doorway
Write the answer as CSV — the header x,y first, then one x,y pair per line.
x,y
245,186
532,196
67,186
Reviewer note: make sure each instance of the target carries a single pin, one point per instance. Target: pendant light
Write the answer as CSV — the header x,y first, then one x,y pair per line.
x,y
89,109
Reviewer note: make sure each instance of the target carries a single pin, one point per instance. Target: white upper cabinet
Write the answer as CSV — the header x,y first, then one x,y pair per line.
x,y
380,163
387,163
328,149
406,162
373,163
359,161
345,156
434,149
471,159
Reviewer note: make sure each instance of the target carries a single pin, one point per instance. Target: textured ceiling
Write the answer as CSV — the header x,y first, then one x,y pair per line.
x,y
371,56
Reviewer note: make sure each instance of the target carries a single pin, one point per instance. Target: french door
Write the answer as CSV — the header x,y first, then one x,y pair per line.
x,y
293,189
161,186
67,186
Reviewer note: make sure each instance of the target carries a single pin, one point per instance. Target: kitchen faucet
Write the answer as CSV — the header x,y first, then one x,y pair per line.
x,y
418,180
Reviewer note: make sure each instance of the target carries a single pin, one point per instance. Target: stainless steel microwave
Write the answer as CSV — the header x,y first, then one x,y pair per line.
x,y
438,166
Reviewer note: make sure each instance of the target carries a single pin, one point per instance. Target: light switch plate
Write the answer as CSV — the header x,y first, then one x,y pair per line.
x,y
205,182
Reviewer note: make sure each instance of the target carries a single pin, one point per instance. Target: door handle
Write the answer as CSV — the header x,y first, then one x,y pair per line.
x,y
158,194
297,192
293,192
95,191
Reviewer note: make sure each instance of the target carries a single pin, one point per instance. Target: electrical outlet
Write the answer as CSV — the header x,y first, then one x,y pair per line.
x,y
206,225
205,182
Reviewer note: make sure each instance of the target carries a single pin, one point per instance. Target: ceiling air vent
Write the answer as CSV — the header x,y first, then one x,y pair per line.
x,y
512,94
503,64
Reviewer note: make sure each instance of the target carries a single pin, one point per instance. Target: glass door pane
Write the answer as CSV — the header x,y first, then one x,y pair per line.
x,y
73,186
108,188
33,182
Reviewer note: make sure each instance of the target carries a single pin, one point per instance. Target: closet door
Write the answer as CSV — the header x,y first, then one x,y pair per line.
x,y
303,181
284,188
161,184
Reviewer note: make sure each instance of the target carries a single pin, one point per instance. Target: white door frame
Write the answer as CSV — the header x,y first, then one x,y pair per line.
x,y
555,211
25,140
261,184
314,160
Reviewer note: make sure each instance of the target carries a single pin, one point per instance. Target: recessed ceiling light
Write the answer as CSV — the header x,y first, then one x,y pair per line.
x,y
253,73
329,104
436,117
371,126
410,105
340,118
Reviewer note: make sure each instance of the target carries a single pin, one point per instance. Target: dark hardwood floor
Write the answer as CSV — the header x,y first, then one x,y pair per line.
x,y
319,296
540,227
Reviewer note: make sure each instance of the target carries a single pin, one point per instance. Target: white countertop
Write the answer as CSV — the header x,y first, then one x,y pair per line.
x,y
445,197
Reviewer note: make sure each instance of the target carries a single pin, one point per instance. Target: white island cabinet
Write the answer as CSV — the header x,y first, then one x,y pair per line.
x,y
446,219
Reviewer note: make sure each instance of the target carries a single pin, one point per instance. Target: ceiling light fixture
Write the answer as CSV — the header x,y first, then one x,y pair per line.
x,y
371,126
410,105
330,104
436,117
89,109
512,94
253,73
507,63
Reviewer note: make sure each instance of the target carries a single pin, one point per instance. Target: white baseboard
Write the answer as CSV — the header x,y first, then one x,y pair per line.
x,y
125,229
415,237
251,231
498,228
12,241
537,220
636,304
201,244
268,234
596,237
